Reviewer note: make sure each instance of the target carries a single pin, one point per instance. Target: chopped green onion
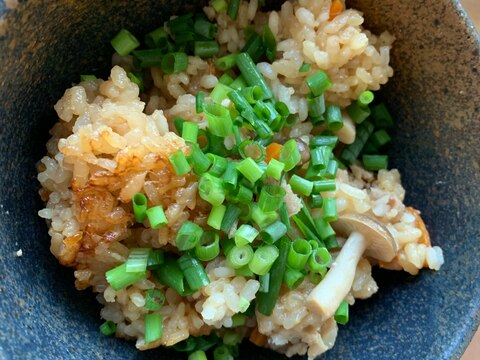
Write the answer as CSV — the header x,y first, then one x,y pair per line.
x,y
289,155
244,271
375,162
314,244
275,169
205,28
324,140
200,162
330,209
124,42
263,259
119,278
219,165
264,281
197,355
210,189
108,328
173,63
320,156
358,113
238,320
243,195
299,253
178,123
324,185
231,215
149,58
300,185
155,259
88,77
245,234
219,5
209,246
227,244
230,176
170,274
158,38
137,260
380,138
315,201
262,129
319,260
153,327
190,132
305,68
270,43
184,39
226,62
222,352
254,47
216,216
252,93
273,232
136,78
239,82
179,162
316,105
293,278
193,271
324,229
139,203
154,299
181,23
271,198
206,48
251,149
365,98
319,83
331,170
351,152
249,168
219,120
382,117
241,104
232,10
199,102
251,74
341,315
284,216
266,301
331,242
156,217
261,218
225,79
238,257
334,118
188,236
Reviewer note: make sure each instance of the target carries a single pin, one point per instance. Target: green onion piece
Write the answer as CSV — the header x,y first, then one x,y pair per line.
x,y
178,123
365,98
263,219
243,195
88,77
324,140
232,10
153,327
108,328
238,257
245,234
314,244
139,203
209,246
315,201
170,274
289,155
299,253
271,198
219,5
284,216
188,345
375,162
306,231
156,217
231,215
205,49
219,120
174,62
275,169
124,42
324,229
230,176
293,278
149,58
300,185
158,38
200,162
251,74
266,301
330,209
188,236
252,93
225,79
264,281
203,140
190,132
251,149
219,165
226,62
199,102
222,352
305,68
216,216
227,244
181,23
319,83
316,106
193,271
266,112
331,170
270,43
154,299
381,116
155,259
358,113
197,355
244,271
273,232
241,104
179,162
239,82
136,78
320,156
137,260
380,138
331,242
341,315
119,278
263,259
334,118
262,129
205,28
351,152
210,189
319,260
184,39
254,47
238,320
249,168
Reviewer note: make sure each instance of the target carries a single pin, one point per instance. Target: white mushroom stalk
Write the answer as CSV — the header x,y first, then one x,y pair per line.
x,y
367,236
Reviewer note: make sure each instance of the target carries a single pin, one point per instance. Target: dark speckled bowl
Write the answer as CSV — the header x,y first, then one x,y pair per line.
x,y
435,96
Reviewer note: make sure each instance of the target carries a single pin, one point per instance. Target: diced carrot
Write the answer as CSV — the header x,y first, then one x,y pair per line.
x,y
257,338
425,239
336,8
273,152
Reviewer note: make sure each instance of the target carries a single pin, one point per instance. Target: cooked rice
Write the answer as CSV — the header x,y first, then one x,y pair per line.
x,y
112,142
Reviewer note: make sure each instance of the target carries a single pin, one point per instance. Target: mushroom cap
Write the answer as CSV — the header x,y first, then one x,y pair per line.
x,y
381,243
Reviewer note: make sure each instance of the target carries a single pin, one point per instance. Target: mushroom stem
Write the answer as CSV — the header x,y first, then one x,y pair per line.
x,y
330,292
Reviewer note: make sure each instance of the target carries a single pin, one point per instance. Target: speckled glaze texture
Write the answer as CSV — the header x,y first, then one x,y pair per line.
x,y
435,97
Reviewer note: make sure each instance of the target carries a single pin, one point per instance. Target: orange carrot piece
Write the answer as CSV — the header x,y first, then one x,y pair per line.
x,y
257,338
425,239
335,9
273,152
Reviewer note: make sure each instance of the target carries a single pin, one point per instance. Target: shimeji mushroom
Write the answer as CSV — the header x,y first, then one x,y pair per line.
x,y
365,236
